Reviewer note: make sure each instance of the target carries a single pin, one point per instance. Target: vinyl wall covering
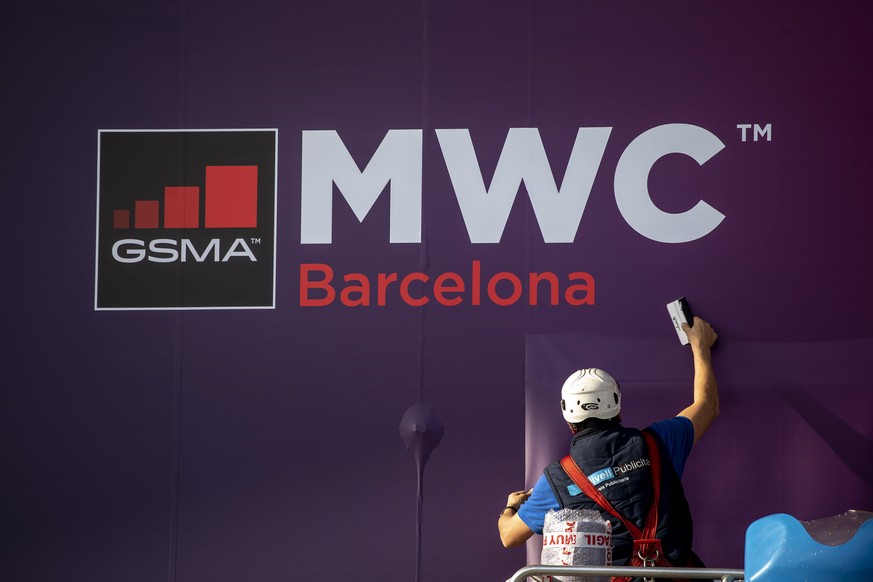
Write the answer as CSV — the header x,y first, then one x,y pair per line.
x,y
243,239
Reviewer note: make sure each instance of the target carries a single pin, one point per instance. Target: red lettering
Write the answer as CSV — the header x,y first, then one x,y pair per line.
x,y
449,288
587,288
323,285
440,288
382,286
476,282
535,279
492,288
404,289
362,290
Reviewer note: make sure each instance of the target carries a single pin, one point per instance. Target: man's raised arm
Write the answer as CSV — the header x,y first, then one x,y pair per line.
x,y
513,531
704,409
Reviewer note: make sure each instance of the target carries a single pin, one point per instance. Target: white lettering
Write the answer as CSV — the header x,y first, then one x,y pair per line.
x,y
631,183
165,247
523,159
163,250
765,131
326,162
233,252
188,247
131,255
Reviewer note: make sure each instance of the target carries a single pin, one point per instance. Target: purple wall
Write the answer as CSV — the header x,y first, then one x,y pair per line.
x,y
264,444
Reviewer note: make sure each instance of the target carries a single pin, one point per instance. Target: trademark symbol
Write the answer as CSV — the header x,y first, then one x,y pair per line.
x,y
758,131
255,241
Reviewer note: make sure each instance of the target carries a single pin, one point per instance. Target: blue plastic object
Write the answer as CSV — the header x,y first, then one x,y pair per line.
x,y
833,549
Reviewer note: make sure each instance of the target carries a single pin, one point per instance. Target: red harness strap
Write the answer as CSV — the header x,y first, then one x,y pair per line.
x,y
647,549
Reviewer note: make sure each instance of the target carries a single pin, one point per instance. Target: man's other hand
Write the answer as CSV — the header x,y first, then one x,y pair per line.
x,y
516,498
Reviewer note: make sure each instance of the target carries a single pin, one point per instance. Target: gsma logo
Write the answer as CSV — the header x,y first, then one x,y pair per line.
x,y
186,219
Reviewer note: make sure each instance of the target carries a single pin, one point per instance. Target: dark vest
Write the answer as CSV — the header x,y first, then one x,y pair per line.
x,y
616,461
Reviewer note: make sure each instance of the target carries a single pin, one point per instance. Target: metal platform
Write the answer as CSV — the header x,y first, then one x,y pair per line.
x,y
726,575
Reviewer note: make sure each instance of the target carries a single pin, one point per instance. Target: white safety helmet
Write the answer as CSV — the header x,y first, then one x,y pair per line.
x,y
590,393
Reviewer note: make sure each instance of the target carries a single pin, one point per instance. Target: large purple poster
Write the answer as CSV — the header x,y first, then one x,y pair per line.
x,y
247,237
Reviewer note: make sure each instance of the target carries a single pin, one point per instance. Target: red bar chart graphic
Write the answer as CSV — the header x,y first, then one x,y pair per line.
x,y
231,196
231,201
181,206
145,214
121,219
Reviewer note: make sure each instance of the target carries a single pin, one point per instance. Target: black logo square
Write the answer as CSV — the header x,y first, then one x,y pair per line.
x,y
186,219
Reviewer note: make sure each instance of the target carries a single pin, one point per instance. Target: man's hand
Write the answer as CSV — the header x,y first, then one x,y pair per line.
x,y
700,335
704,410
516,498
513,531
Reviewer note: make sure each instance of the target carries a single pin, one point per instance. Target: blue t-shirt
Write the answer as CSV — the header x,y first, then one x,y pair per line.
x,y
677,435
